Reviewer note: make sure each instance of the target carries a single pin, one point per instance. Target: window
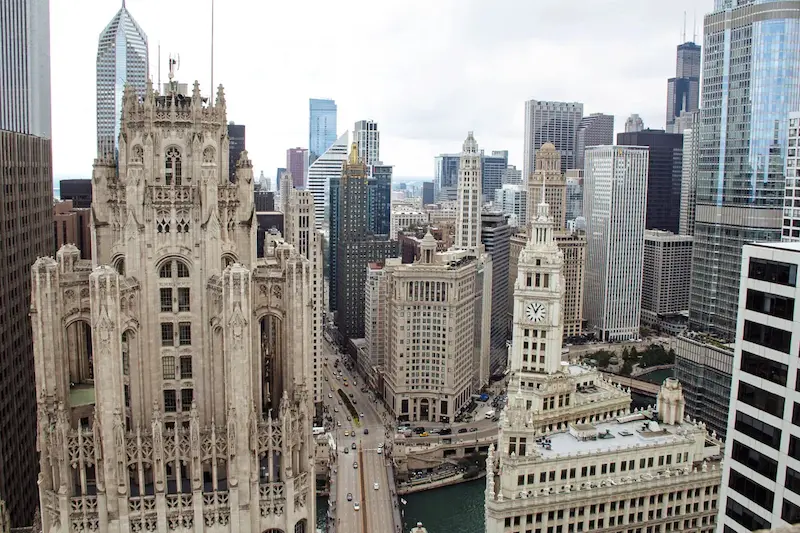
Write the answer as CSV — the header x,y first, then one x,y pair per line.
x,y
187,396
166,300
173,166
755,460
183,299
183,270
186,367
168,367
760,431
761,399
790,512
770,304
170,402
167,334
774,338
751,490
185,333
764,368
166,270
773,271
745,517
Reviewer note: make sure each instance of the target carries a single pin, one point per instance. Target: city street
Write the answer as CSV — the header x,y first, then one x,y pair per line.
x,y
376,505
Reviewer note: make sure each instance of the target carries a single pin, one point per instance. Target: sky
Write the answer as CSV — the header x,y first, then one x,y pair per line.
x,y
427,72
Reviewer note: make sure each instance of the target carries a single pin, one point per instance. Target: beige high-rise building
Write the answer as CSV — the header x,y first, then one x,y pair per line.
x,y
571,455
175,370
573,246
470,198
548,171
433,332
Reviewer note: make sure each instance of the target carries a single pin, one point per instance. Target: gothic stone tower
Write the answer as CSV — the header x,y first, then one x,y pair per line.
x,y
174,370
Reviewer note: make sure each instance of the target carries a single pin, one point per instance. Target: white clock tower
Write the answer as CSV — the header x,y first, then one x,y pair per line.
x,y
536,339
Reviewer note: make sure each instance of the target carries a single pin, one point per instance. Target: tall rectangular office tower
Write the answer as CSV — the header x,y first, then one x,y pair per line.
x,y
26,219
122,58
553,122
321,127
761,480
615,182
368,138
751,53
683,91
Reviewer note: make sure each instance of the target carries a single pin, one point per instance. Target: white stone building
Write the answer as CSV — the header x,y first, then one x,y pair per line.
x,y
615,202
470,198
571,455
762,471
376,307
174,370
403,216
513,200
548,172
433,331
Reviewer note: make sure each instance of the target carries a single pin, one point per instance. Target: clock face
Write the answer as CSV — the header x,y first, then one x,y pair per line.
x,y
535,311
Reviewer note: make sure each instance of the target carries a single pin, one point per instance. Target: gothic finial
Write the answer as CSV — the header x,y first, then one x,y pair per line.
x,y
353,154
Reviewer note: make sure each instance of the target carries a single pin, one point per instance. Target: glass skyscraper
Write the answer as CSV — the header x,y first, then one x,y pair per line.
x,y
122,58
321,127
445,180
751,81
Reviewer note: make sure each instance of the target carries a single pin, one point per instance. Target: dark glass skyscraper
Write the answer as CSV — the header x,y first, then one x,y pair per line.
x,y
493,168
380,199
236,135
445,181
663,176
751,81
683,91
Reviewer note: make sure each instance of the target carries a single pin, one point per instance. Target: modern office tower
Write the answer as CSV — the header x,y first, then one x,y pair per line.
x,y
427,193
405,217
321,171
297,164
322,133
551,122
300,232
376,320
666,271
690,124
663,176
513,200
573,246
445,181
79,191
495,236
615,182
548,172
741,163
512,176
72,225
571,456
429,364
634,123
574,190
25,69
493,168
379,198
683,91
791,209
761,477
470,199
263,200
26,219
595,130
122,59
368,139
704,364
352,246
237,140
174,370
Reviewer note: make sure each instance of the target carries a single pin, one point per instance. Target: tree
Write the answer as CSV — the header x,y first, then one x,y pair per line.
x,y
627,368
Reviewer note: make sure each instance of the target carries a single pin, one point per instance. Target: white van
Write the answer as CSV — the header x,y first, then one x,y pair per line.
x,y
488,415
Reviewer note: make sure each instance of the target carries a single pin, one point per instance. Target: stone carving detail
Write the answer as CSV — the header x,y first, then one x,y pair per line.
x,y
119,451
277,292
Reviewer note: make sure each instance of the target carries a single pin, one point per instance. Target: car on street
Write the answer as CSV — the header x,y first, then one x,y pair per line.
x,y
351,394
424,434
355,465
346,433
330,395
445,431
376,486
353,446
380,451
349,496
346,450
366,431
380,445
338,423
473,429
462,430
340,402
349,419
356,507
326,378
362,415
335,409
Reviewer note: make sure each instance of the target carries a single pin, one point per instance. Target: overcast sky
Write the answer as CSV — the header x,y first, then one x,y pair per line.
x,y
427,72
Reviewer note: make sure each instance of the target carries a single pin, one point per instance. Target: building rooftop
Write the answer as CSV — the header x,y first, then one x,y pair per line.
x,y
790,246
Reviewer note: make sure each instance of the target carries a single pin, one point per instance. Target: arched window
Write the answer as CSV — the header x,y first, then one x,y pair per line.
x,y
300,527
119,266
227,260
173,166
166,270
126,362
182,224
163,222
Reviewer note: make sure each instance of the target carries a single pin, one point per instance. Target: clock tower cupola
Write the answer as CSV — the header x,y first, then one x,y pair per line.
x,y
537,329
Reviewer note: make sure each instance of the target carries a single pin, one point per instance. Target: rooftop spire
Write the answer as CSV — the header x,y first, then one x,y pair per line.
x,y
543,209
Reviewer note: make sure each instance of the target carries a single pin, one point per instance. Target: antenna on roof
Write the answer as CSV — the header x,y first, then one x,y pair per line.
x,y
683,35
694,28
159,65
212,49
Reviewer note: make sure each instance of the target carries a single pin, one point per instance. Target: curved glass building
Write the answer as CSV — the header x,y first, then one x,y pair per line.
x,y
122,58
750,83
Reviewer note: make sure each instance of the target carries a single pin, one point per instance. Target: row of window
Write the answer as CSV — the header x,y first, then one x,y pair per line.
x,y
169,302
171,398
168,337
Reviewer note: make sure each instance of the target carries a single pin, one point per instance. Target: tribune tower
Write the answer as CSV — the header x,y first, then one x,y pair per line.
x,y
174,370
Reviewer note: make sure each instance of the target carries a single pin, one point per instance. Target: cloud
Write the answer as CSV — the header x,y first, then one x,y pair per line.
x,y
427,72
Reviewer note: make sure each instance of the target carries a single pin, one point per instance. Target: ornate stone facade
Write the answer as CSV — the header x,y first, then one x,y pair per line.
x,y
174,373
